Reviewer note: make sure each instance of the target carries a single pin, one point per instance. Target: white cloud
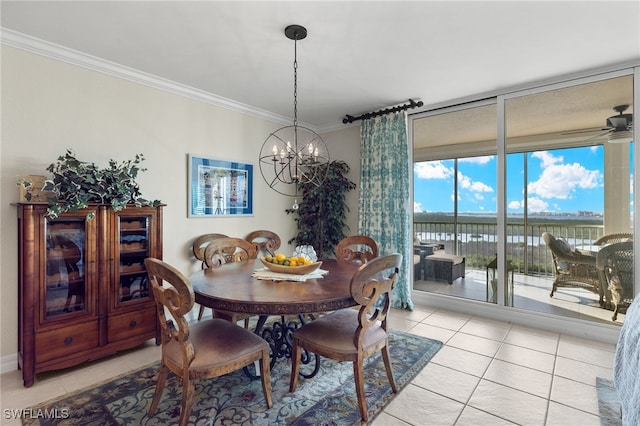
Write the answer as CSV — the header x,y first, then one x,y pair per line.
x,y
432,170
561,180
477,160
537,205
417,207
533,204
547,158
465,182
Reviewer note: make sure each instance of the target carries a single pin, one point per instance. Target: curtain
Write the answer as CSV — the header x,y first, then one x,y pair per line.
x,y
384,194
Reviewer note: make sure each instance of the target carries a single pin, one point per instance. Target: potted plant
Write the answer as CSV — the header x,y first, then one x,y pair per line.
x,y
322,213
76,184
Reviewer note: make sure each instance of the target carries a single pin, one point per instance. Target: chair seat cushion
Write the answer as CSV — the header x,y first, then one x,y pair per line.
x,y
334,332
444,257
218,342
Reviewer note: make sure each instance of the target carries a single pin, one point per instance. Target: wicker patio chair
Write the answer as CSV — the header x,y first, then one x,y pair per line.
x,y
574,269
616,262
613,238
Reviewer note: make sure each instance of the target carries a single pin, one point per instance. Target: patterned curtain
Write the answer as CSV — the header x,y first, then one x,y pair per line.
x,y
384,194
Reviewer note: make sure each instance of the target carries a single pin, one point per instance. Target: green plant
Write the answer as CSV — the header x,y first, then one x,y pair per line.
x,y
76,184
322,213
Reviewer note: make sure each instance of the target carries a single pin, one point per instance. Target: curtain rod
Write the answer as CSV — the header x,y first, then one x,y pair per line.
x,y
412,104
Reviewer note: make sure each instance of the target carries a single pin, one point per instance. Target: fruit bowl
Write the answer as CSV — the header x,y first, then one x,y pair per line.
x,y
296,270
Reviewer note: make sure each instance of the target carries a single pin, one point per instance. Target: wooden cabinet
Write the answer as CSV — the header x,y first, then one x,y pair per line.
x,y
83,289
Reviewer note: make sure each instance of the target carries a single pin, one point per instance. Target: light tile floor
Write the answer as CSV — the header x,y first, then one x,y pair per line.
x,y
487,373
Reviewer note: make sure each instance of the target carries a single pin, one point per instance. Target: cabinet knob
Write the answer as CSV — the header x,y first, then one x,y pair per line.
x,y
68,340
133,323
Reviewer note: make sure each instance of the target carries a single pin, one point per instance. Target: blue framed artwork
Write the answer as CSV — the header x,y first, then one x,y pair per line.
x,y
219,187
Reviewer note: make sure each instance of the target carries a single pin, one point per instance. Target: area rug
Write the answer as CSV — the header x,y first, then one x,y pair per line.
x,y
327,399
608,403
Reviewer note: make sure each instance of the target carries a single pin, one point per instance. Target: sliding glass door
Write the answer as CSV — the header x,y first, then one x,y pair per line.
x,y
567,190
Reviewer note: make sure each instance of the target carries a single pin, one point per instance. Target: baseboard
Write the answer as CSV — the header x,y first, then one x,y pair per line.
x,y
9,363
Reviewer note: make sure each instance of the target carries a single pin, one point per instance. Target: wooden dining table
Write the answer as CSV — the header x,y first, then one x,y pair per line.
x,y
231,287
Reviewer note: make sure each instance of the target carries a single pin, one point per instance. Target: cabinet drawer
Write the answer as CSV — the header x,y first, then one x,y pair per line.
x,y
67,340
131,324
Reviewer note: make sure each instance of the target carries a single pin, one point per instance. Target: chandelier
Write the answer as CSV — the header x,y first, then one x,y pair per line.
x,y
294,156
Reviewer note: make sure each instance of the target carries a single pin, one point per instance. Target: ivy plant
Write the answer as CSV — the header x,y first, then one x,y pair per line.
x,y
321,216
76,184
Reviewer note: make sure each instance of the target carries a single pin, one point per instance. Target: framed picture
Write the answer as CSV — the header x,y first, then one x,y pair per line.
x,y
219,187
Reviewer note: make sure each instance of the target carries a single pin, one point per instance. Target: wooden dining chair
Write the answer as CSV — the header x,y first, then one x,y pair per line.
x,y
198,246
204,350
200,243
227,250
356,248
266,242
354,334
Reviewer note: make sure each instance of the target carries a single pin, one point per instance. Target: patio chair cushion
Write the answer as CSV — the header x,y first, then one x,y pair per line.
x,y
445,257
563,247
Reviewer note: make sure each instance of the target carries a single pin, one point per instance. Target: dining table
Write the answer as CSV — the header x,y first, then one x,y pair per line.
x,y
233,287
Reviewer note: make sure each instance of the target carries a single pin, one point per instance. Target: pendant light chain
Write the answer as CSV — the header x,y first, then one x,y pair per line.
x,y
294,158
295,82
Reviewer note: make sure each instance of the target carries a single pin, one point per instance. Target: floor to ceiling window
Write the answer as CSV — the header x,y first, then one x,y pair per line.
x,y
568,177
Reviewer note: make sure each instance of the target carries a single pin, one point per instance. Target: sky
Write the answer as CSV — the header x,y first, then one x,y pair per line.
x,y
560,181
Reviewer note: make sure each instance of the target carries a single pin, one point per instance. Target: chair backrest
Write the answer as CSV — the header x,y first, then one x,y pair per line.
x,y
613,238
373,280
227,250
200,243
356,249
266,242
173,302
560,251
616,260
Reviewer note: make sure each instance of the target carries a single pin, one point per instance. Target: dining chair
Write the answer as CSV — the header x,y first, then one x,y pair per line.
x,y
228,250
198,246
204,350
266,242
354,334
200,243
356,249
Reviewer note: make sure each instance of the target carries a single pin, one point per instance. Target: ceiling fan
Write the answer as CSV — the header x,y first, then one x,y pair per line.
x,y
619,128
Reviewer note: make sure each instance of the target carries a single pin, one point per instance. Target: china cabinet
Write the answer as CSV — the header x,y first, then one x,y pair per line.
x,y
83,290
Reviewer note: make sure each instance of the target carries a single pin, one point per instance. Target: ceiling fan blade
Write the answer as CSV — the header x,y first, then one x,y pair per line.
x,y
598,135
595,129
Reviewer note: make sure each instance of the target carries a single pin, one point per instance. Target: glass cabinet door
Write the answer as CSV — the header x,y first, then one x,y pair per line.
x,y
65,285
134,237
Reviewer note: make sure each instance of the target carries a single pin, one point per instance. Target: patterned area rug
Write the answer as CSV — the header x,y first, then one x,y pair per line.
x,y
234,399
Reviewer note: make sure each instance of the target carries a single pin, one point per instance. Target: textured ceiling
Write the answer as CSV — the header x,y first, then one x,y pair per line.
x,y
359,56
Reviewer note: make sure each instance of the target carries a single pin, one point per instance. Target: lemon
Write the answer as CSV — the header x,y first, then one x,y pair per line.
x,y
293,262
280,257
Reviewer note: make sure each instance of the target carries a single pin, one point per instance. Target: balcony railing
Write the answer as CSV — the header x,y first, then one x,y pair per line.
x,y
527,252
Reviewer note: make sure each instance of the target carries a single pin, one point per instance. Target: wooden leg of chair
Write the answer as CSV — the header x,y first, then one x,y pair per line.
x,y
387,366
265,376
187,400
358,378
246,323
200,312
162,378
295,366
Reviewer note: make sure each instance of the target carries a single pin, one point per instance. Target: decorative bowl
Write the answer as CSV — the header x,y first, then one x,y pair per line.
x,y
295,270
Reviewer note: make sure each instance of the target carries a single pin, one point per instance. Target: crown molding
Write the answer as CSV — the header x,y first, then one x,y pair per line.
x,y
60,53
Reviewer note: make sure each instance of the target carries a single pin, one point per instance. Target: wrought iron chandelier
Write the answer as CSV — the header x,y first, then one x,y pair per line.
x,y
294,155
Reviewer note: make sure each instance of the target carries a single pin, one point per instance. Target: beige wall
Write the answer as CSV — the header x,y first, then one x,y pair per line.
x,y
49,106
